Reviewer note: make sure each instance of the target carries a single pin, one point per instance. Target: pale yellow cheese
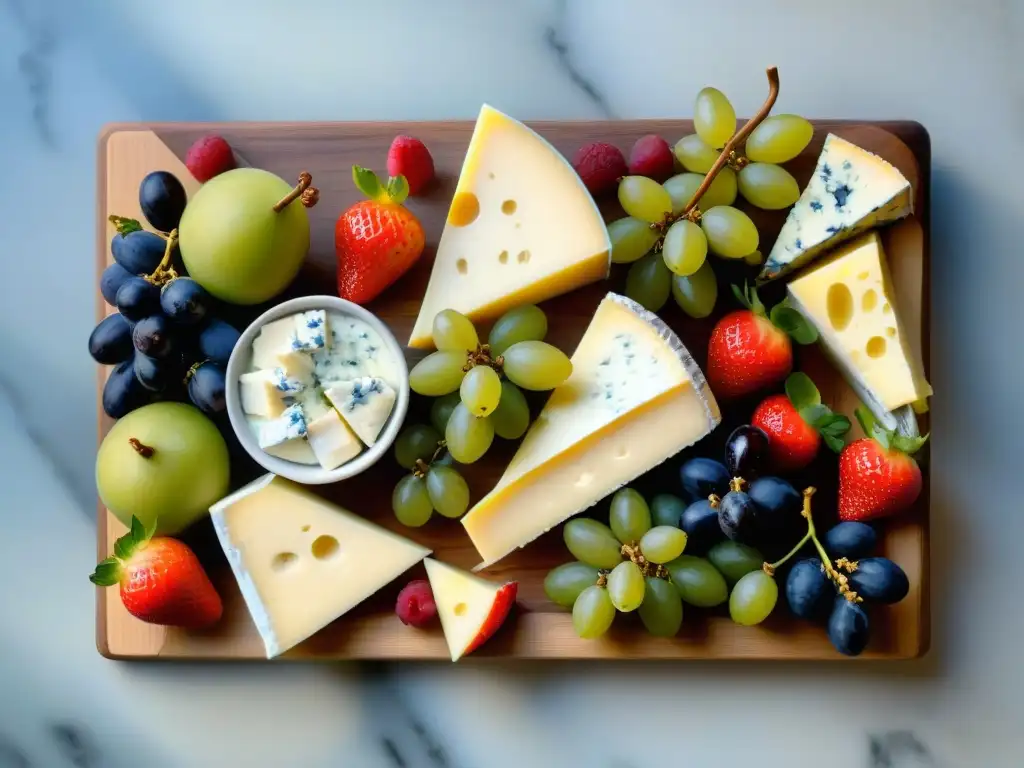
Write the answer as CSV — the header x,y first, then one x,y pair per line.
x,y
300,561
464,602
849,298
635,398
522,228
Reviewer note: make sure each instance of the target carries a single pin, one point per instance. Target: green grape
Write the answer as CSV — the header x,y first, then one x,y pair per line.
x,y
536,365
592,542
666,509
629,516
733,560
778,139
564,584
480,390
524,323
592,613
454,332
417,441
696,294
662,609
468,437
438,373
411,502
626,586
649,282
663,543
754,259
698,582
685,247
448,491
768,186
694,155
730,232
683,186
512,416
644,199
442,408
753,598
714,118
631,239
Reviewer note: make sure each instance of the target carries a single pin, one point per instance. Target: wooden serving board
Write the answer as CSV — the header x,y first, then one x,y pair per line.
x,y
538,629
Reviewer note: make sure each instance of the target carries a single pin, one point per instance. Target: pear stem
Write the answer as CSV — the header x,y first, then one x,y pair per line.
x,y
310,195
145,451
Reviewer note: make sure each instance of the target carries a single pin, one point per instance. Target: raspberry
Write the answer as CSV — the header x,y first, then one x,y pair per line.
x,y
208,157
415,605
651,156
409,157
600,166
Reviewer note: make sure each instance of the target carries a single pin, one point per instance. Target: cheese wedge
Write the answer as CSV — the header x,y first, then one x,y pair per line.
x,y
521,228
635,398
300,561
849,298
852,190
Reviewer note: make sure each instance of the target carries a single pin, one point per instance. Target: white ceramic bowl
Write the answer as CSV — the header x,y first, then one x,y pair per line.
x,y
303,473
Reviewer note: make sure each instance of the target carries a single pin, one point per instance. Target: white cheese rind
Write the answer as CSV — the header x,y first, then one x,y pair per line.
x,y
365,404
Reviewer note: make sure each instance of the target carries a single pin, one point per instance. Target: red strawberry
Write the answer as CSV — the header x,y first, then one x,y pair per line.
x,y
161,580
376,241
652,156
796,423
415,604
410,157
208,157
877,475
600,166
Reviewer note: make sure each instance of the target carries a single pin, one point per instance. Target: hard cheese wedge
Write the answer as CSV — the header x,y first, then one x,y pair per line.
x,y
849,297
471,609
522,228
302,562
851,191
635,398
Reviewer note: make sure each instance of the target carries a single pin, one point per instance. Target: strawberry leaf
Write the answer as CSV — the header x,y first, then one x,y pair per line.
x,y
908,445
801,391
872,428
367,181
755,302
836,425
124,546
124,225
793,324
398,189
107,573
740,297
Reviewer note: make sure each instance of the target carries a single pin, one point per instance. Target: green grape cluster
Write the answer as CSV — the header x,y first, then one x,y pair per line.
x,y
433,483
479,386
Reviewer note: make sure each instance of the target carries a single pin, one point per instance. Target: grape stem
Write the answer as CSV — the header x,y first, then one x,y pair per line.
x,y
145,451
165,271
647,568
421,467
482,356
310,195
834,573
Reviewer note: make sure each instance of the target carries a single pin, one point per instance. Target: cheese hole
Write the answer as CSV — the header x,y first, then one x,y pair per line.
x,y
465,208
869,300
875,347
503,257
283,560
460,609
887,308
508,207
305,529
491,175
523,257
585,478
462,265
862,276
622,453
324,547
840,305
890,332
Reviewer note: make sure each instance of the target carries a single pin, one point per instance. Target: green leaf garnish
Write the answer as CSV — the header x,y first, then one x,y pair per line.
x,y
748,298
801,391
739,295
837,426
107,573
398,189
835,444
367,182
124,225
908,445
793,324
814,414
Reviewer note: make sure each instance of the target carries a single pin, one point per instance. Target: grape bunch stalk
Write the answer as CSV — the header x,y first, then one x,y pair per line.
x,y
433,483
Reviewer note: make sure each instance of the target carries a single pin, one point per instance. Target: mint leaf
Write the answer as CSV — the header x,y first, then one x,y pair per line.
x,y
815,414
801,391
398,189
107,573
124,225
793,324
739,296
835,444
837,425
367,181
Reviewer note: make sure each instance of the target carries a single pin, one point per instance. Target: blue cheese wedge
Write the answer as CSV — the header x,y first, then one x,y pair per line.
x,y
332,441
311,331
851,191
290,425
355,351
260,395
365,404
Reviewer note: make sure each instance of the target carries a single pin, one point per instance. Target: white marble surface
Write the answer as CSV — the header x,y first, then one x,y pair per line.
x,y
67,67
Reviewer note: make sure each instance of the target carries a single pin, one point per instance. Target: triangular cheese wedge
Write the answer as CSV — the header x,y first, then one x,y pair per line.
x,y
635,398
849,298
300,561
852,190
522,228
471,609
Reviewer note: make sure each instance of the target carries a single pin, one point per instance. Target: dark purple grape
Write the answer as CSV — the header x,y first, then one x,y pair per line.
x,y
779,506
851,540
139,252
123,393
848,627
737,515
162,199
702,477
111,340
206,388
216,341
154,336
746,452
808,589
152,374
137,298
879,580
113,278
700,522
185,301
